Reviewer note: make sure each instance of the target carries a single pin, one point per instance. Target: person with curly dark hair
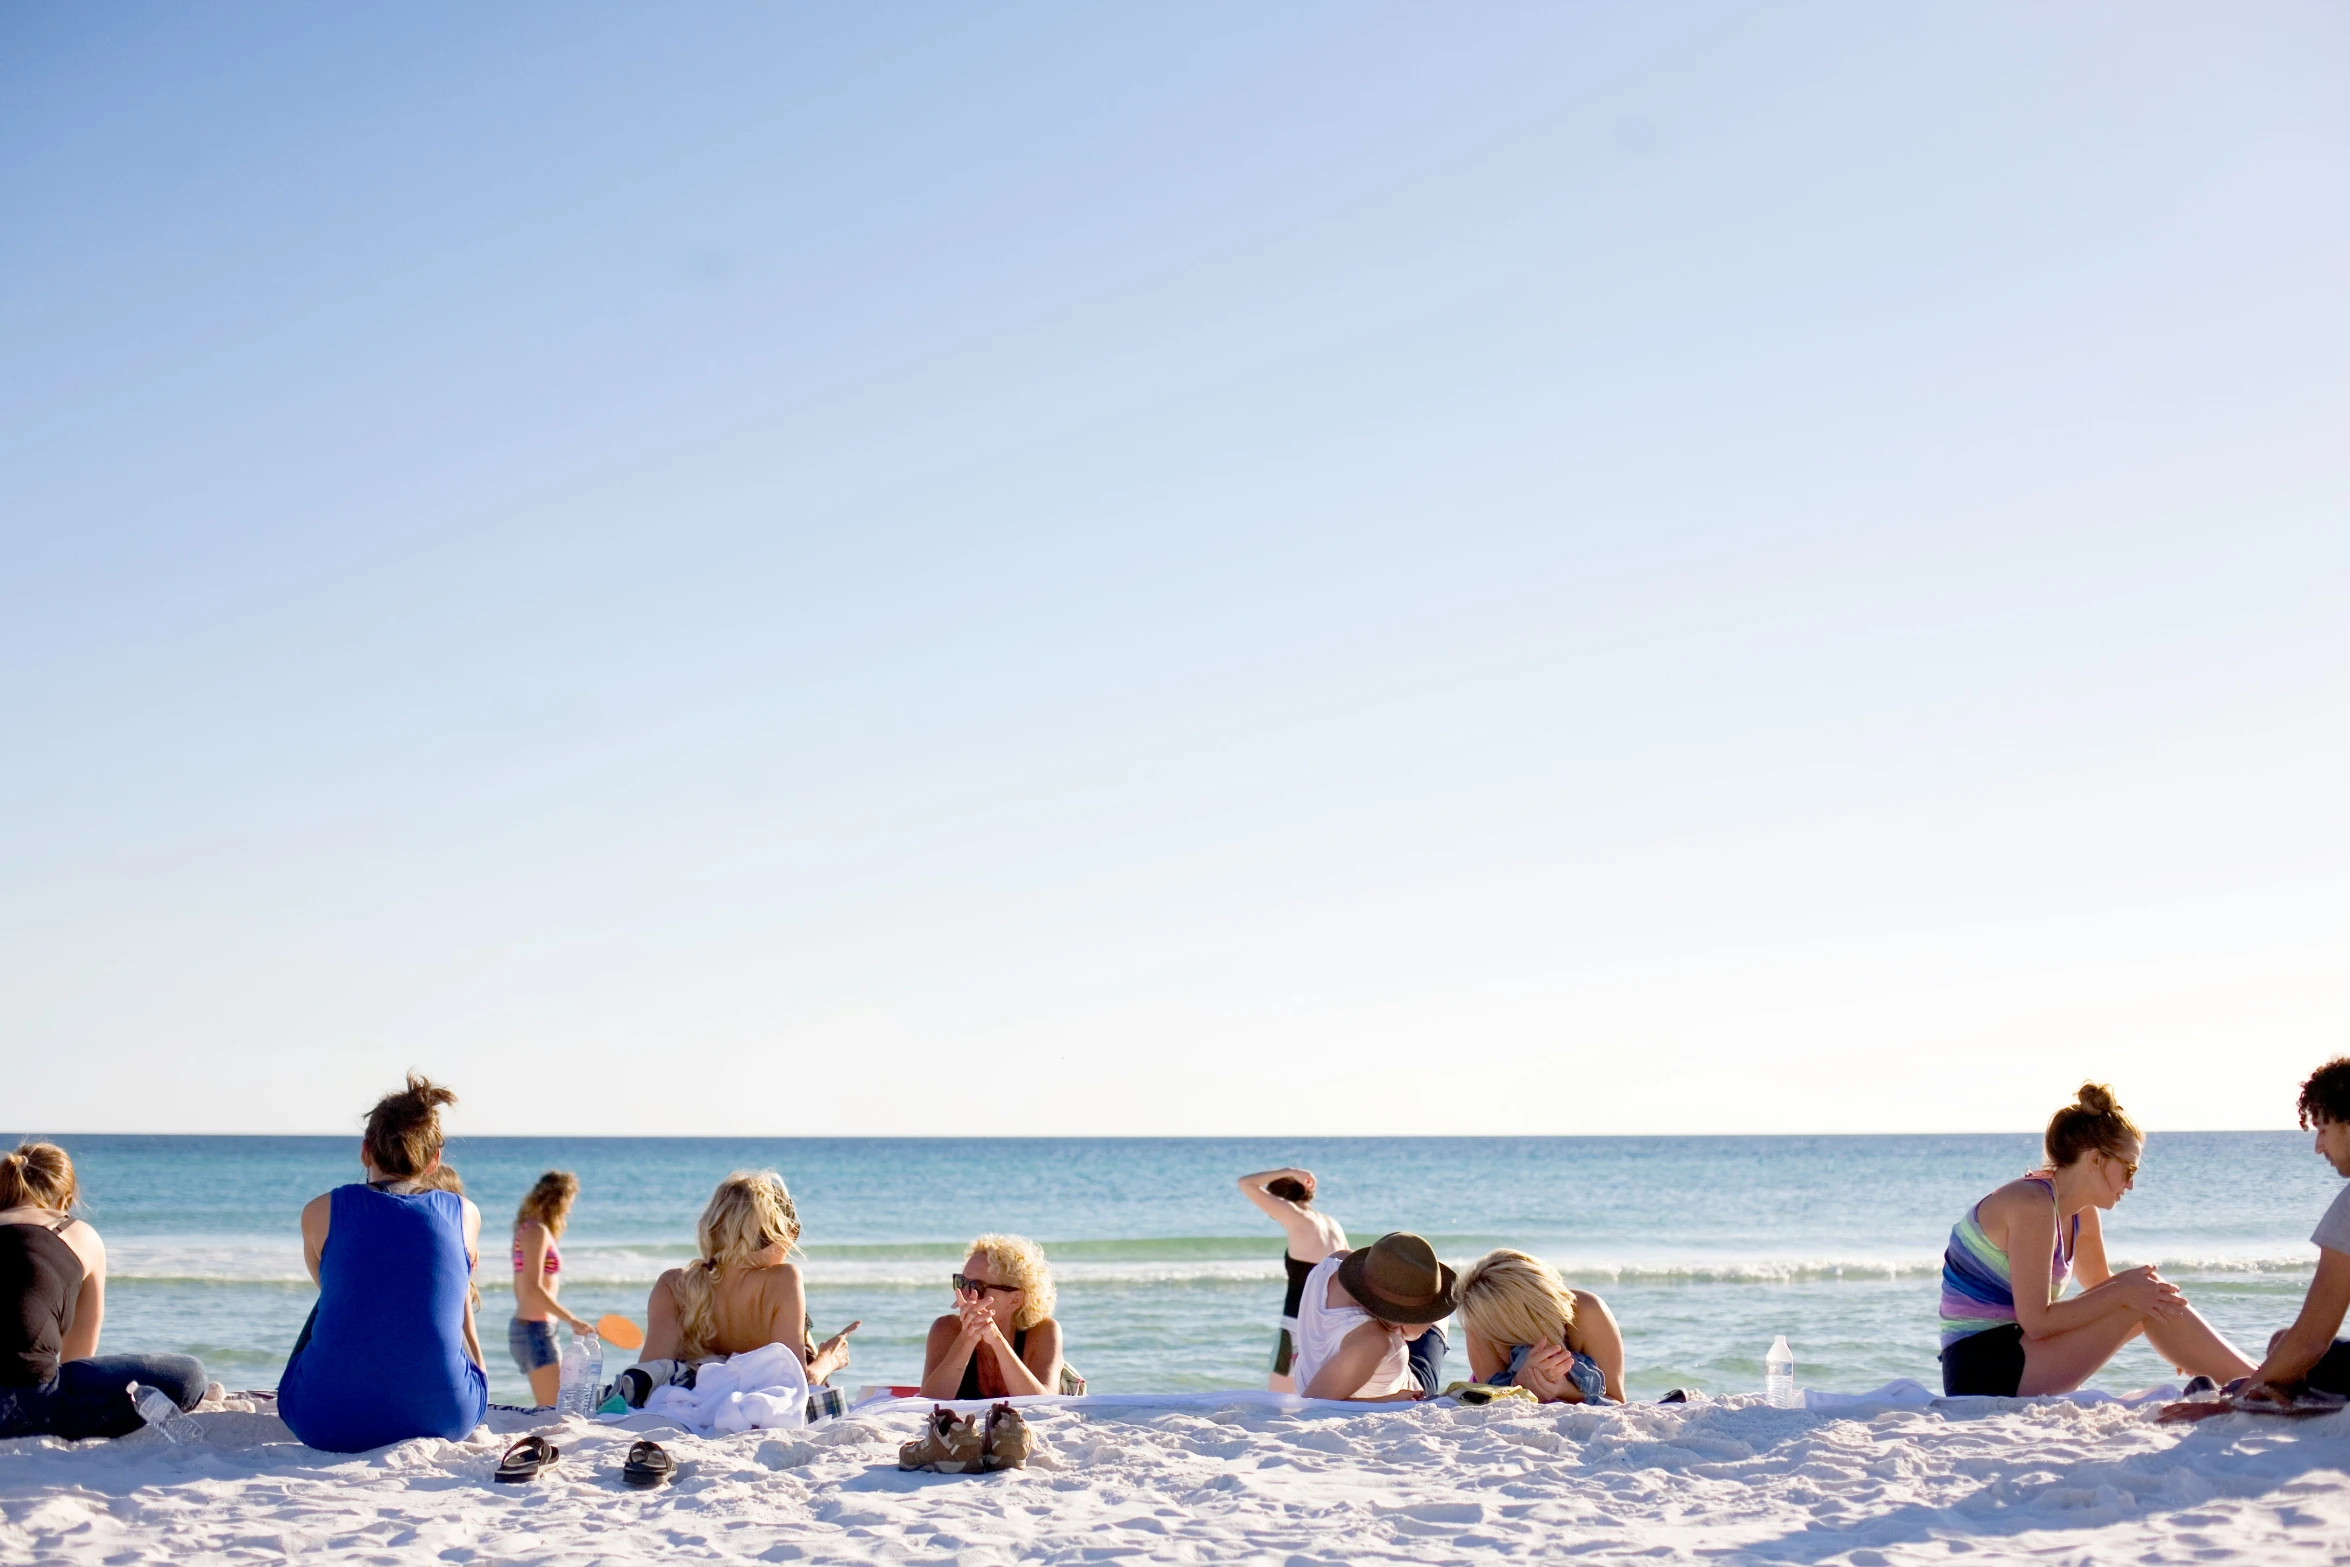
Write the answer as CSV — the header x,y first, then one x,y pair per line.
x,y
2308,1353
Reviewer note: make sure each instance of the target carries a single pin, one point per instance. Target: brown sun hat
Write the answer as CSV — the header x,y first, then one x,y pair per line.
x,y
1398,1279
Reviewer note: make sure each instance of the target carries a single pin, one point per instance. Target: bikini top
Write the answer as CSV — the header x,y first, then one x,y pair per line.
x,y
554,1259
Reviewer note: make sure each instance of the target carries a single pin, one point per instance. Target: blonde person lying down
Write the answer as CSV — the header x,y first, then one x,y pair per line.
x,y
1528,1329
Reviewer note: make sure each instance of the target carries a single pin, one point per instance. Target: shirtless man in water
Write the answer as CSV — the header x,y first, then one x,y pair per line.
x,y
1287,1196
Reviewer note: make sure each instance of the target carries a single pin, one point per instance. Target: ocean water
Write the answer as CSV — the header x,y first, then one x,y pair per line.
x,y
1704,1247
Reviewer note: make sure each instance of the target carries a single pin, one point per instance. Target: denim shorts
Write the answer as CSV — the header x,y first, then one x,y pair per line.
x,y
533,1344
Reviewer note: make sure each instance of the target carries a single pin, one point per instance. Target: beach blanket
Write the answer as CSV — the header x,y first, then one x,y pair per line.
x,y
763,1389
1902,1391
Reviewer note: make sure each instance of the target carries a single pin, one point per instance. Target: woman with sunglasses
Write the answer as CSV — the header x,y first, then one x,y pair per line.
x,y
1004,1284
2005,1332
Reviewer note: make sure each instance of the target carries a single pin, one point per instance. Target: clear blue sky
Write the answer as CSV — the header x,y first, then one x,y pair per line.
x,y
1300,569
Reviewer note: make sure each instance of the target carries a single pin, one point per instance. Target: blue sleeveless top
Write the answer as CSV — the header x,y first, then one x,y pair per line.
x,y
384,1358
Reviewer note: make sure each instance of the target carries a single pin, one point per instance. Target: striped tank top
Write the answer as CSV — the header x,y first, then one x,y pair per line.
x,y
1975,1292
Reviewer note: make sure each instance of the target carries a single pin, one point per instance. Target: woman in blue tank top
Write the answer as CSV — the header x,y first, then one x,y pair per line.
x,y
391,1352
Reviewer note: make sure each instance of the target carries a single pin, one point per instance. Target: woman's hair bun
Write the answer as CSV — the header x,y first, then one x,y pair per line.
x,y
2092,1123
38,1175
404,1129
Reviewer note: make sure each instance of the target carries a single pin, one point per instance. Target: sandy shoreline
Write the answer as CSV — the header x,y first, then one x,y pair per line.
x,y
1239,1479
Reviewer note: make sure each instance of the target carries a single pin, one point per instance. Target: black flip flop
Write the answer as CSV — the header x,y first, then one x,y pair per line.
x,y
526,1458
648,1465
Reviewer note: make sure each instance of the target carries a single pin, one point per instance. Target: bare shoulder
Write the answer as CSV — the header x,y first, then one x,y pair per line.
x,y
83,1237
1334,1294
2020,1203
2017,1196
1585,1301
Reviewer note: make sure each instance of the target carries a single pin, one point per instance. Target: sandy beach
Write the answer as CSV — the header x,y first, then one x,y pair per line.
x,y
1238,1478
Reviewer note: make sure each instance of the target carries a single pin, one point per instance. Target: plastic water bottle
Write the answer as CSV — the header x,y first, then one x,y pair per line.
x,y
591,1385
156,1408
1779,1375
583,1375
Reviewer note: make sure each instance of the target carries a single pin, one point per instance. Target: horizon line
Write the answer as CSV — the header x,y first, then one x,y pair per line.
x,y
1081,1137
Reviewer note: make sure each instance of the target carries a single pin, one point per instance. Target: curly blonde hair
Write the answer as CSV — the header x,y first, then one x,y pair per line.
x,y
750,1212
1510,1298
1018,1260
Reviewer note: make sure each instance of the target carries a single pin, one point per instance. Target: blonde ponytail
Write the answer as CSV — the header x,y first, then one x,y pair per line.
x,y
38,1175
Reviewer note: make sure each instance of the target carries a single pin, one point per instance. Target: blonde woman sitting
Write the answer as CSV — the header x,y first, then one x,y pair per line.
x,y
1004,1283
742,1293
1528,1329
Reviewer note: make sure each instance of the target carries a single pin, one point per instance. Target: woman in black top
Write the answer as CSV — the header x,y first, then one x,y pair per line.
x,y
52,1301
1004,1283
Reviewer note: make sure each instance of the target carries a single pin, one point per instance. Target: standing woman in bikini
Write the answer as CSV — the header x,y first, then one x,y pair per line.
x,y
2005,1332
1287,1197
538,1273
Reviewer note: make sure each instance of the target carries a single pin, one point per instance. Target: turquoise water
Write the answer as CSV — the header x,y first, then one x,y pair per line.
x,y
1704,1247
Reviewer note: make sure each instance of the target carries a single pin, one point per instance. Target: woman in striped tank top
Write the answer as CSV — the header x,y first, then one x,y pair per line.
x,y
2006,1333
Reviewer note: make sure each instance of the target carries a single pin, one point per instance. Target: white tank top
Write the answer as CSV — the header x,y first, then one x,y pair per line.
x,y
1321,1327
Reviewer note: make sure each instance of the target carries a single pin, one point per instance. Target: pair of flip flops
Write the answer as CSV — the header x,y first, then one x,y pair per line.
x,y
648,1463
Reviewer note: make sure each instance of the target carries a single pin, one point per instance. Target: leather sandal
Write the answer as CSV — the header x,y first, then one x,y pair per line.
x,y
648,1465
526,1459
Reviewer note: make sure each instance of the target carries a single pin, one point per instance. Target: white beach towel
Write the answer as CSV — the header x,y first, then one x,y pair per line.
x,y
1904,1391
764,1388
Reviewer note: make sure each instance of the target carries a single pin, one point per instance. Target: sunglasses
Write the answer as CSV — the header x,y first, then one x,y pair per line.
x,y
964,1286
2129,1166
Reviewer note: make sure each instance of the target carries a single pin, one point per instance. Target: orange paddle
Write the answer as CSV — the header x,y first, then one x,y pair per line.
x,y
617,1331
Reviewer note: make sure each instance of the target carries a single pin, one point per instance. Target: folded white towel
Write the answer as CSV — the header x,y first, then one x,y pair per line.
x,y
766,1388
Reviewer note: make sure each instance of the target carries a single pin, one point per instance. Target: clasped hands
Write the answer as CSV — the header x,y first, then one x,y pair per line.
x,y
979,1323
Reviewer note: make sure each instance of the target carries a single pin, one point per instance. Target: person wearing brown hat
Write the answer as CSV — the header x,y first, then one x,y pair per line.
x,y
1367,1322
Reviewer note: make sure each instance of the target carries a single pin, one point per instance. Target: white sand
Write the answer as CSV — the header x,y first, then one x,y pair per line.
x,y
1238,1480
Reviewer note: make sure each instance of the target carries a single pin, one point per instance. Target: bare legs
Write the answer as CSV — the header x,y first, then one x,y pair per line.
x,y
2063,1361
545,1384
2195,1347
